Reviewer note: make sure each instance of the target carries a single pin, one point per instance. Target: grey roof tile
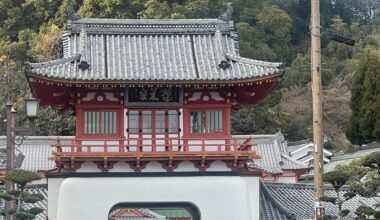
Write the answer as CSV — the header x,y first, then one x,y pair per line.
x,y
36,151
289,163
298,199
270,209
273,152
152,50
43,204
40,189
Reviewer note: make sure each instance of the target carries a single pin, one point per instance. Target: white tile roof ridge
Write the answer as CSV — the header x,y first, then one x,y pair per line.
x,y
252,164
356,154
255,62
219,45
117,21
83,44
302,165
300,142
149,26
69,59
66,44
41,138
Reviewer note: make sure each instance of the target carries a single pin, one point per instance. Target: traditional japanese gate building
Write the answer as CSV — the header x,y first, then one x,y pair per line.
x,y
153,100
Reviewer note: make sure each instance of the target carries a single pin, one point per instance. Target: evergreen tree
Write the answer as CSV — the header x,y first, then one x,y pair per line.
x,y
337,179
20,178
364,124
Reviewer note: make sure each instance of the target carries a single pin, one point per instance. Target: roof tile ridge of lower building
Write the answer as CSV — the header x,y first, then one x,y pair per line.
x,y
300,142
301,185
291,185
277,150
37,186
48,137
250,61
264,168
272,199
302,147
352,155
293,160
55,62
267,137
306,157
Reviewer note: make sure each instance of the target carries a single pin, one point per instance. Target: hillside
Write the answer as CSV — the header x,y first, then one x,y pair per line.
x,y
271,30
336,98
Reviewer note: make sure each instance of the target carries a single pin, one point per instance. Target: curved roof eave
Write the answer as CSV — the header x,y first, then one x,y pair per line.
x,y
181,82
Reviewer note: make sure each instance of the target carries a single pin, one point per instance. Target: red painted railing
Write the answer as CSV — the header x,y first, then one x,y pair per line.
x,y
154,146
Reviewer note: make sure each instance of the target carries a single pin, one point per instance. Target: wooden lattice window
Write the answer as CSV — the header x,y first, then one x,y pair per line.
x,y
100,122
202,122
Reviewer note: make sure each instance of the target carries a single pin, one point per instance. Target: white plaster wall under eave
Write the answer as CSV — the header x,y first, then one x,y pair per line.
x,y
217,197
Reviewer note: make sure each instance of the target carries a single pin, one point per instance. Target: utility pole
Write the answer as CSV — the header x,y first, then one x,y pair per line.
x,y
11,124
317,105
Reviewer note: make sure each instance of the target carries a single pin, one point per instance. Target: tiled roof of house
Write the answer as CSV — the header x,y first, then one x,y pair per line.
x,y
36,151
348,158
269,208
303,151
34,189
130,50
43,204
289,163
273,152
298,200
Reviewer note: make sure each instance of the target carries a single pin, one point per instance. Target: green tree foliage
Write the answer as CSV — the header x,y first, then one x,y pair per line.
x,y
364,212
110,8
364,124
20,178
338,179
370,186
298,74
363,180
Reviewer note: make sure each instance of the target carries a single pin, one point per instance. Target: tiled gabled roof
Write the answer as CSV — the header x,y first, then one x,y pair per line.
x,y
130,50
270,209
36,151
289,163
273,152
298,200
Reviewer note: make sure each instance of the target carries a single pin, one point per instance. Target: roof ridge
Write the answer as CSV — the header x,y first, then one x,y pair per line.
x,y
255,62
56,61
152,26
252,164
34,186
301,185
150,21
293,160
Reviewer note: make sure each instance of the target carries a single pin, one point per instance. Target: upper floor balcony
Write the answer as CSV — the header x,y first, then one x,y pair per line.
x,y
137,152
